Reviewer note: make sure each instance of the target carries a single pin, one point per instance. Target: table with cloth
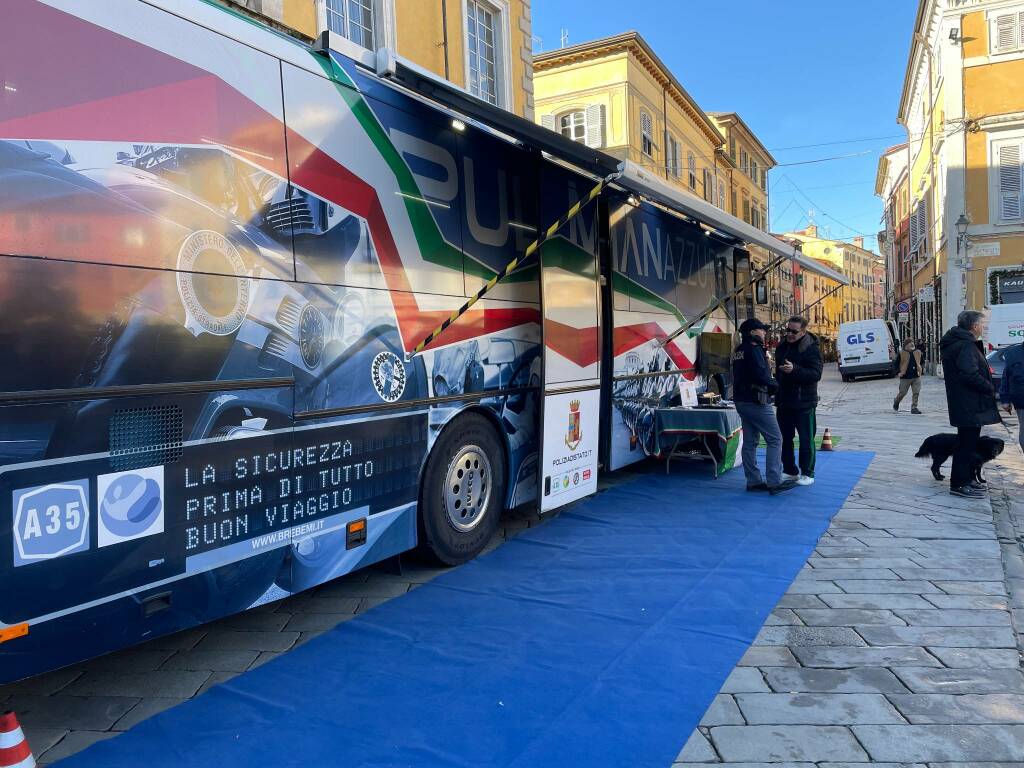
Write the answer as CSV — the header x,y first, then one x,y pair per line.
x,y
712,434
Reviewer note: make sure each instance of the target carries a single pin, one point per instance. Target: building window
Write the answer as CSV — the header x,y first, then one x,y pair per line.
x,y
764,180
646,134
709,186
352,19
721,194
732,200
732,147
746,210
573,125
753,170
744,162
755,217
1007,32
1009,179
672,158
691,167
482,25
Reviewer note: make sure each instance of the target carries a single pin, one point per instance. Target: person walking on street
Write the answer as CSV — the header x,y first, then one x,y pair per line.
x,y
1011,386
911,366
923,349
798,365
753,390
970,396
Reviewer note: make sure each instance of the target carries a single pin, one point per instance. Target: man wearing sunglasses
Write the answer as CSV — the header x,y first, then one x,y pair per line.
x,y
798,364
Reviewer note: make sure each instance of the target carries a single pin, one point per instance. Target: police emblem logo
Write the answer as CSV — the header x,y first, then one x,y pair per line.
x,y
388,376
574,435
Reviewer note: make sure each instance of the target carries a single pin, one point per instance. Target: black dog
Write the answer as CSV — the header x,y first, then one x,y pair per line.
x,y
943,445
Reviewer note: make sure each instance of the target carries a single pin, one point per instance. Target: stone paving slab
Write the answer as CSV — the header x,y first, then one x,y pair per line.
x,y
772,743
953,617
796,637
816,709
848,617
928,743
951,709
978,657
956,637
845,657
857,680
87,713
877,602
969,680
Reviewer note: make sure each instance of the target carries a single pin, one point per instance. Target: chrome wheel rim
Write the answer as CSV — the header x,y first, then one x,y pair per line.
x,y
467,488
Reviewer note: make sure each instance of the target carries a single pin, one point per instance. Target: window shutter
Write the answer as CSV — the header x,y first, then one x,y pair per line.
x,y
1009,181
1020,29
595,126
709,186
1006,32
548,121
915,234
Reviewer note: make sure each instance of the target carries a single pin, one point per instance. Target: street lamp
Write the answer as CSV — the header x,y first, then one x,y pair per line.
x,y
961,230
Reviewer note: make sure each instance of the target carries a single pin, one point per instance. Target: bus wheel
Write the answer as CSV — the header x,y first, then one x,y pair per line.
x,y
847,378
463,489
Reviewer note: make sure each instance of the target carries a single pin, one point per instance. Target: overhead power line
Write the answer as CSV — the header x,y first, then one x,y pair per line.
x,y
842,141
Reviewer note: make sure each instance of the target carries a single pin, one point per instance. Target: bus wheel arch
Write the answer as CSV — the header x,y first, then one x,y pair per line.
x,y
463,488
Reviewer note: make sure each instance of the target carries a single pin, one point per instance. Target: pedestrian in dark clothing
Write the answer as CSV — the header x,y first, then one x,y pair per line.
x,y
970,396
1011,386
911,365
798,365
753,389
922,348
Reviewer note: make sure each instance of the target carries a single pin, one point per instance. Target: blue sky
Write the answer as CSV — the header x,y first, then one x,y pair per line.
x,y
799,72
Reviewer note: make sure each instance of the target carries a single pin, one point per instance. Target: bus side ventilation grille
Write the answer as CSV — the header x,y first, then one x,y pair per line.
x,y
145,437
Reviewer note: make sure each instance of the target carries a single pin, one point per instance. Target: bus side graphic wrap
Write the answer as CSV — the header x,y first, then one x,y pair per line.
x,y
195,211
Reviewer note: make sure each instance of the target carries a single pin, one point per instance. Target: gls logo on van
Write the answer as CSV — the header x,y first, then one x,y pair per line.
x,y
861,338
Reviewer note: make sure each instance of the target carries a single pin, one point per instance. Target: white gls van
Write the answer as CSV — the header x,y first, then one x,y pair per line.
x,y
868,348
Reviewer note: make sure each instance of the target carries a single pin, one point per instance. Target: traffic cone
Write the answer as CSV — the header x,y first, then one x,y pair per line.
x,y
826,441
14,749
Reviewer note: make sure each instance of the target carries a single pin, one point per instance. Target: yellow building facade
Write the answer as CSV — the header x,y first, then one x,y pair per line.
x,y
856,301
615,94
483,46
962,105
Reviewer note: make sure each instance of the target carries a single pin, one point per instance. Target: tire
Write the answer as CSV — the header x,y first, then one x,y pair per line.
x,y
847,378
454,529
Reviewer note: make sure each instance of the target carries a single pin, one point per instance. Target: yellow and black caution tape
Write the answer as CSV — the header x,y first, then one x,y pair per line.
x,y
515,263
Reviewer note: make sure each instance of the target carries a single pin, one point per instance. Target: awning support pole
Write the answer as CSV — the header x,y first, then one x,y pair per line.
x,y
809,306
719,302
515,263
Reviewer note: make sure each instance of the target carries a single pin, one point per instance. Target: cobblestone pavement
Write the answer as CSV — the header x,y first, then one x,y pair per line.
x,y
898,643
900,640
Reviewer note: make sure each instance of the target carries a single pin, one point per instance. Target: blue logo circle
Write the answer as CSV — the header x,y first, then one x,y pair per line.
x,y
130,505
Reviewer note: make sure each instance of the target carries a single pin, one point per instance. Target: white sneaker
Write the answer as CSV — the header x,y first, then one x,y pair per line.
x,y
805,480
787,476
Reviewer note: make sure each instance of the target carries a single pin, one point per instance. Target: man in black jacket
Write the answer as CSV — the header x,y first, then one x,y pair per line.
x,y
798,365
753,387
970,396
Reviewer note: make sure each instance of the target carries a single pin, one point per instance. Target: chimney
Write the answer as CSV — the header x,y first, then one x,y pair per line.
x,y
859,242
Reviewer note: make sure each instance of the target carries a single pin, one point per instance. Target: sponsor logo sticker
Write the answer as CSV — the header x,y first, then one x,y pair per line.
x,y
131,505
50,521
388,376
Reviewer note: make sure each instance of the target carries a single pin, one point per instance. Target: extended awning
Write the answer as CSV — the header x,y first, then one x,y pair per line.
x,y
647,184
401,71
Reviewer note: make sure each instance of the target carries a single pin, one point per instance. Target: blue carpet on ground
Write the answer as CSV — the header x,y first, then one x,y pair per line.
x,y
597,639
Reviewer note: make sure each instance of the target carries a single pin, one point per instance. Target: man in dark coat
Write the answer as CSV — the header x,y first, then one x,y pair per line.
x,y
798,365
1011,386
753,388
970,396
